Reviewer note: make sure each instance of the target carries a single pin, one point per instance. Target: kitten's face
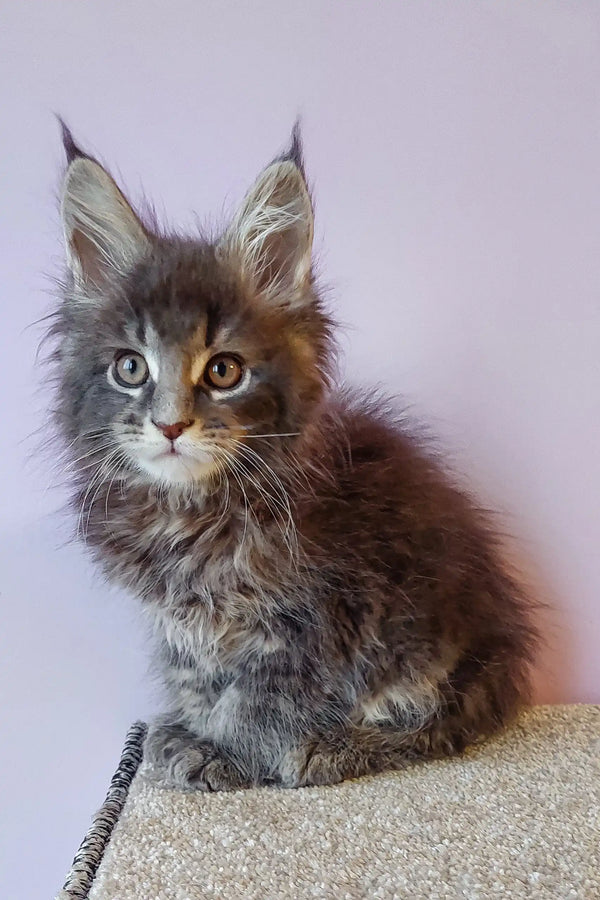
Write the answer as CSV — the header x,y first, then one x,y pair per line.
x,y
184,364
178,357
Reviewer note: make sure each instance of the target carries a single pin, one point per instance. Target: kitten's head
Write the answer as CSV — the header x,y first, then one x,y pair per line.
x,y
174,353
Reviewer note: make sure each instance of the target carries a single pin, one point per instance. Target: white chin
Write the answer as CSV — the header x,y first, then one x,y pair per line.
x,y
171,469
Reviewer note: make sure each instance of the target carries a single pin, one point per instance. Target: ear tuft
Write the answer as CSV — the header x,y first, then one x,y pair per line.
x,y
272,233
295,151
103,234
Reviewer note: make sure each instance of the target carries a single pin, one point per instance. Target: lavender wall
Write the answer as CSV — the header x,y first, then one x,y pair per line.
x,y
454,149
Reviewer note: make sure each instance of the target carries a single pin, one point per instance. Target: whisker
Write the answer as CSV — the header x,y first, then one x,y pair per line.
x,y
273,435
247,505
278,504
112,462
92,451
120,459
96,480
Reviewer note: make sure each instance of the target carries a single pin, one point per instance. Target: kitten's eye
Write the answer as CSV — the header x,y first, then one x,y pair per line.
x,y
223,372
130,369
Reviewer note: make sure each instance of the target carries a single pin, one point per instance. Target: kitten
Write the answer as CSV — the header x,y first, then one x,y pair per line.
x,y
327,603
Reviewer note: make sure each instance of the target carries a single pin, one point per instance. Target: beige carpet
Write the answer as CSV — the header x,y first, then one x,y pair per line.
x,y
516,818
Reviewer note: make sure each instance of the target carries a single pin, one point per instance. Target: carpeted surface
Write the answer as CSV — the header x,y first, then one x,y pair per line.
x,y
516,818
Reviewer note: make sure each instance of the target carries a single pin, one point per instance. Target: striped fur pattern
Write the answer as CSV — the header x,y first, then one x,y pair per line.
x,y
325,601
90,853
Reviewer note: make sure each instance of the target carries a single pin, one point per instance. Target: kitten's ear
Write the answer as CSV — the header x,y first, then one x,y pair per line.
x,y
102,232
271,235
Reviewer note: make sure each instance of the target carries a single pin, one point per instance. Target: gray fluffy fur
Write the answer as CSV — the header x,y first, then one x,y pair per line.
x,y
326,602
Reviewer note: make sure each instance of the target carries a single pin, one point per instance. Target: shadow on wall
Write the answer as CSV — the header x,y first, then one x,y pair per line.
x,y
554,677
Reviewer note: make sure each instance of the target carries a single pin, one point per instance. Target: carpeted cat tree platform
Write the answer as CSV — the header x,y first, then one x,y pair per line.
x,y
516,818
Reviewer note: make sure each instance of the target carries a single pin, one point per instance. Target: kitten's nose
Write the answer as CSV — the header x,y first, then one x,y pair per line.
x,y
172,432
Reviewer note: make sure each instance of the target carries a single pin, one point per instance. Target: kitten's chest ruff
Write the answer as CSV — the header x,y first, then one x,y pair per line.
x,y
179,558
210,586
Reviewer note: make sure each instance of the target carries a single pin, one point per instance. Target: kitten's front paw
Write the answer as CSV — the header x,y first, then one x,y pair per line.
x,y
164,741
347,753
188,763
322,767
311,765
221,774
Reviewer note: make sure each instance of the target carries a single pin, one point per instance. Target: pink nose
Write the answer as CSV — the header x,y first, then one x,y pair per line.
x,y
172,432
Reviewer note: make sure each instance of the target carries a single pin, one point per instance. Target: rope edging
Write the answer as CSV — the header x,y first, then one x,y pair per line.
x,y
90,853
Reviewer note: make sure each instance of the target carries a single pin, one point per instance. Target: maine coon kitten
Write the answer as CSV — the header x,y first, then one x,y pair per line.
x,y
327,603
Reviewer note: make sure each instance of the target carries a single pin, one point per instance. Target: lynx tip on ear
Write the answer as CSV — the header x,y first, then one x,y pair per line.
x,y
72,150
294,152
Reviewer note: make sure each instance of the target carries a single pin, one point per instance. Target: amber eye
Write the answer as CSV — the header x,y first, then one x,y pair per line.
x,y
130,369
223,372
